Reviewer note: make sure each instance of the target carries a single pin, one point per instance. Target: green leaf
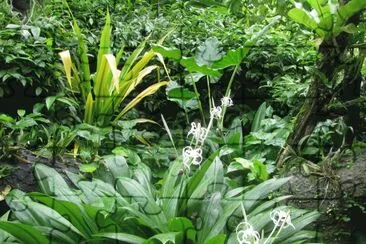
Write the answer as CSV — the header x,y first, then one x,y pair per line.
x,y
123,237
192,67
52,183
301,17
24,233
170,237
259,116
33,213
259,171
261,191
21,112
88,168
219,239
183,225
232,58
208,52
75,213
172,53
112,168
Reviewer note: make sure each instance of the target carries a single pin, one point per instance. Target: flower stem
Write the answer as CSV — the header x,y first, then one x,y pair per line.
x,y
198,99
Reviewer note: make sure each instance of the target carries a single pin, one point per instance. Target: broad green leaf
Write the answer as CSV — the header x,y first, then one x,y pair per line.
x,y
24,233
75,213
145,200
33,213
301,17
183,225
208,52
52,183
303,235
261,191
192,67
112,168
219,239
88,167
259,116
165,238
123,237
232,58
299,222
172,53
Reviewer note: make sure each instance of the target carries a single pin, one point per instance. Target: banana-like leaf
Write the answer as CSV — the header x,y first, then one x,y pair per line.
x,y
302,17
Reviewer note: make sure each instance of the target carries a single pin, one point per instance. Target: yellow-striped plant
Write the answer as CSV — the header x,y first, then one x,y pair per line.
x,y
111,86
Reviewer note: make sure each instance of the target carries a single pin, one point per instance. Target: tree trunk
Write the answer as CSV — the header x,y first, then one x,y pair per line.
x,y
319,95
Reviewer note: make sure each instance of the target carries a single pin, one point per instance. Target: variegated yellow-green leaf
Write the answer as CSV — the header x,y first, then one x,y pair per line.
x,y
147,92
66,60
88,114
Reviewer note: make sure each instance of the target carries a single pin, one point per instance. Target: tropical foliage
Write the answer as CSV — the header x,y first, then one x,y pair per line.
x,y
176,121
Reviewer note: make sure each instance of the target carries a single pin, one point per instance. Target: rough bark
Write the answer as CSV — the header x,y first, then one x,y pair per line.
x,y
319,94
321,90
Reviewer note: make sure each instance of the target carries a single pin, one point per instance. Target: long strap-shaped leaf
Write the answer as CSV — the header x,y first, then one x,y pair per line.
x,y
147,92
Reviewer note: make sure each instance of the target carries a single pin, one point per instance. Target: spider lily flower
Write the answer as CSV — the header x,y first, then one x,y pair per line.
x,y
192,156
216,112
197,131
333,7
298,5
245,234
315,16
226,102
281,218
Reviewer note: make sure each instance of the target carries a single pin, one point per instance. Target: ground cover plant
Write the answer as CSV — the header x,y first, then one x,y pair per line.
x,y
201,121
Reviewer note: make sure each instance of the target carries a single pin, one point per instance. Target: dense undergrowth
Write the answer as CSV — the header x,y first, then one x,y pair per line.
x,y
181,118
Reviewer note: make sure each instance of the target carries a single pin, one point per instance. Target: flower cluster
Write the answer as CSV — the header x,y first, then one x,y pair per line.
x,y
281,218
245,234
193,155
198,132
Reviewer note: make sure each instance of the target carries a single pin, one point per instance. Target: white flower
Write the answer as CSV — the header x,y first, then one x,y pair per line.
x,y
197,131
281,218
315,16
333,7
226,101
298,5
216,112
192,156
245,234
